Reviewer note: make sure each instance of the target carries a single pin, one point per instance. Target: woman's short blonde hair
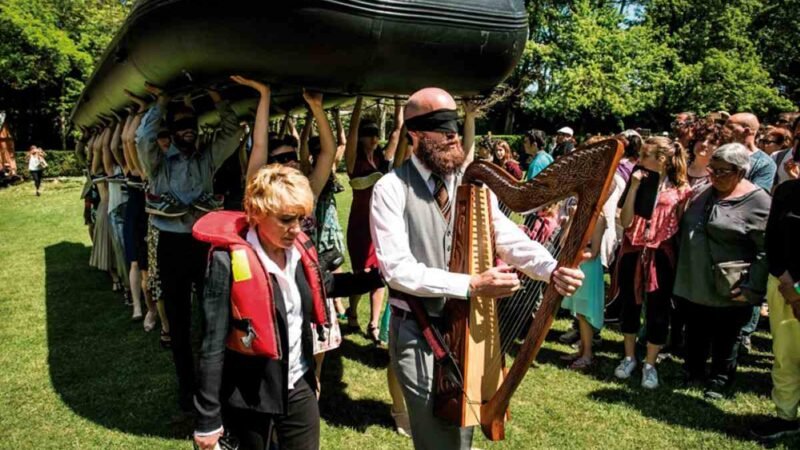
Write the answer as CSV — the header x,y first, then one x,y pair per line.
x,y
277,189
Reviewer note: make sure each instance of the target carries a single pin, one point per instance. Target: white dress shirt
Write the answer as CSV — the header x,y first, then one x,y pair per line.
x,y
291,298
404,273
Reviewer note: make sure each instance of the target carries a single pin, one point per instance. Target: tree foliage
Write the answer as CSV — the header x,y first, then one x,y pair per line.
x,y
598,65
601,64
718,66
47,51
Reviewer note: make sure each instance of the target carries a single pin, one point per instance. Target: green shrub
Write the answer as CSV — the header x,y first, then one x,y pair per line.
x,y
60,163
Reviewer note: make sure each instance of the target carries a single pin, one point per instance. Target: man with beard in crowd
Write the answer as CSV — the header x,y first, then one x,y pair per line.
x,y
411,226
743,128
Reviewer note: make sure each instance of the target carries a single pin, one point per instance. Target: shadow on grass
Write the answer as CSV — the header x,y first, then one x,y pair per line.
x,y
339,409
677,408
104,367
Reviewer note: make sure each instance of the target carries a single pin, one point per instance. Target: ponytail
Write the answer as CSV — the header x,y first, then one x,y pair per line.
x,y
674,156
677,170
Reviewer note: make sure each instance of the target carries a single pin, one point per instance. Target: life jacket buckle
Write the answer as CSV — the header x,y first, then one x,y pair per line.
x,y
247,340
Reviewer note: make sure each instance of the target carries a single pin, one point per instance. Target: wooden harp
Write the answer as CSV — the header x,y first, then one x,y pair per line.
x,y
472,329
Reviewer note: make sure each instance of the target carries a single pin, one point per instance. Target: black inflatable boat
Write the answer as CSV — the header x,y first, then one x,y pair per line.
x,y
378,47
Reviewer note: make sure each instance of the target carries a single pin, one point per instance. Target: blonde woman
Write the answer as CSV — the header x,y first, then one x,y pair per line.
x,y
256,371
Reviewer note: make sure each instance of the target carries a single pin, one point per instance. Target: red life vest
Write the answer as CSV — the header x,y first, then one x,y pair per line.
x,y
254,328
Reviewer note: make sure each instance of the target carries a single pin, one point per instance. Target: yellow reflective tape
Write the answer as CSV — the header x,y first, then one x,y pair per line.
x,y
240,266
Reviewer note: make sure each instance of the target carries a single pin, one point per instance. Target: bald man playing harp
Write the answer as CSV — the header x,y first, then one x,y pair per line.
x,y
412,217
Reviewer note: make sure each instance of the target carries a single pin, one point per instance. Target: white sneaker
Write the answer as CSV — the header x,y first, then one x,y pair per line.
x,y
402,424
649,377
625,368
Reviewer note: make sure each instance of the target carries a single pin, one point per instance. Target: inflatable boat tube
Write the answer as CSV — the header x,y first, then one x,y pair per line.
x,y
372,47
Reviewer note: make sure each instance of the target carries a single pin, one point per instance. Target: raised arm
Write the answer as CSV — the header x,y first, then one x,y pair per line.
x,y
352,137
324,164
116,149
229,134
470,112
129,141
258,155
305,135
394,137
94,152
149,153
108,162
292,131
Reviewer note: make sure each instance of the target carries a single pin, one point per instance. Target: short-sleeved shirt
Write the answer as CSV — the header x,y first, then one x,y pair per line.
x,y
539,163
762,170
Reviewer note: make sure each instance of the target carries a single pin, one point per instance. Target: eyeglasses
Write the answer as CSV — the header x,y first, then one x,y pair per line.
x,y
773,141
720,172
291,220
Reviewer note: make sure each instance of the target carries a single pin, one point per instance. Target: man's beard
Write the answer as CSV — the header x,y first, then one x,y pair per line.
x,y
439,157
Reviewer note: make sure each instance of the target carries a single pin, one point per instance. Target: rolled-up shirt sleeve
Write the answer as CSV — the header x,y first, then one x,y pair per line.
x,y
515,248
150,154
400,269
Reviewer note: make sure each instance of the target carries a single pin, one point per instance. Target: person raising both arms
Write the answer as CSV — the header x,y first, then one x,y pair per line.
x,y
366,164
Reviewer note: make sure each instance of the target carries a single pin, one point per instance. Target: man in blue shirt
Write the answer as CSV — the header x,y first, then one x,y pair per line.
x,y
743,128
183,179
534,143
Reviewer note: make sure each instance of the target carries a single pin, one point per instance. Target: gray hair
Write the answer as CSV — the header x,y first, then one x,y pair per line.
x,y
735,154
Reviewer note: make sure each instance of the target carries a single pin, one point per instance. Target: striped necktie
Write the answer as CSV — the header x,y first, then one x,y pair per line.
x,y
441,196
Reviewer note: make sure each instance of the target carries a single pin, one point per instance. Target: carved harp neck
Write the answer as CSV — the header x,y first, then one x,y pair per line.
x,y
586,174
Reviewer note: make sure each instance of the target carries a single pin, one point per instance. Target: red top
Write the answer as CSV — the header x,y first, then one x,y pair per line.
x,y
640,237
664,222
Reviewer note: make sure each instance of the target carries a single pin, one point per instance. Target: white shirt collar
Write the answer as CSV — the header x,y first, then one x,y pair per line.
x,y
292,255
427,173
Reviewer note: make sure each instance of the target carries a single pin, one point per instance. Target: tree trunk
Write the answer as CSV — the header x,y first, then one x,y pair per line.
x,y
508,125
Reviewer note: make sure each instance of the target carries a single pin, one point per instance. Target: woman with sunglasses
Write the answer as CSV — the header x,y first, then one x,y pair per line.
x,y
722,268
256,366
366,164
706,139
645,266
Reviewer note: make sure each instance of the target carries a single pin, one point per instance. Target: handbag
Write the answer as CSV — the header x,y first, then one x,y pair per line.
x,y
331,259
727,275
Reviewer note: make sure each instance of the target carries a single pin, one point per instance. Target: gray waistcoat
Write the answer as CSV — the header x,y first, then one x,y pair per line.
x,y
429,235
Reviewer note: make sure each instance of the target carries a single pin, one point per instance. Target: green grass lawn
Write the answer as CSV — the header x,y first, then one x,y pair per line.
x,y
75,372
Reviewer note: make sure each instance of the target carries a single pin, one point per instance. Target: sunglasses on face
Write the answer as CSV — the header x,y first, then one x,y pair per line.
x,y
677,124
283,158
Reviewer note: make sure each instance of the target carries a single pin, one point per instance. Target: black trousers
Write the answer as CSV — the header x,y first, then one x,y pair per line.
x,y
181,262
298,429
37,178
714,331
658,302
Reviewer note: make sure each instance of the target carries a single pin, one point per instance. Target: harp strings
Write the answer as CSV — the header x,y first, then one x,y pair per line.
x,y
516,313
